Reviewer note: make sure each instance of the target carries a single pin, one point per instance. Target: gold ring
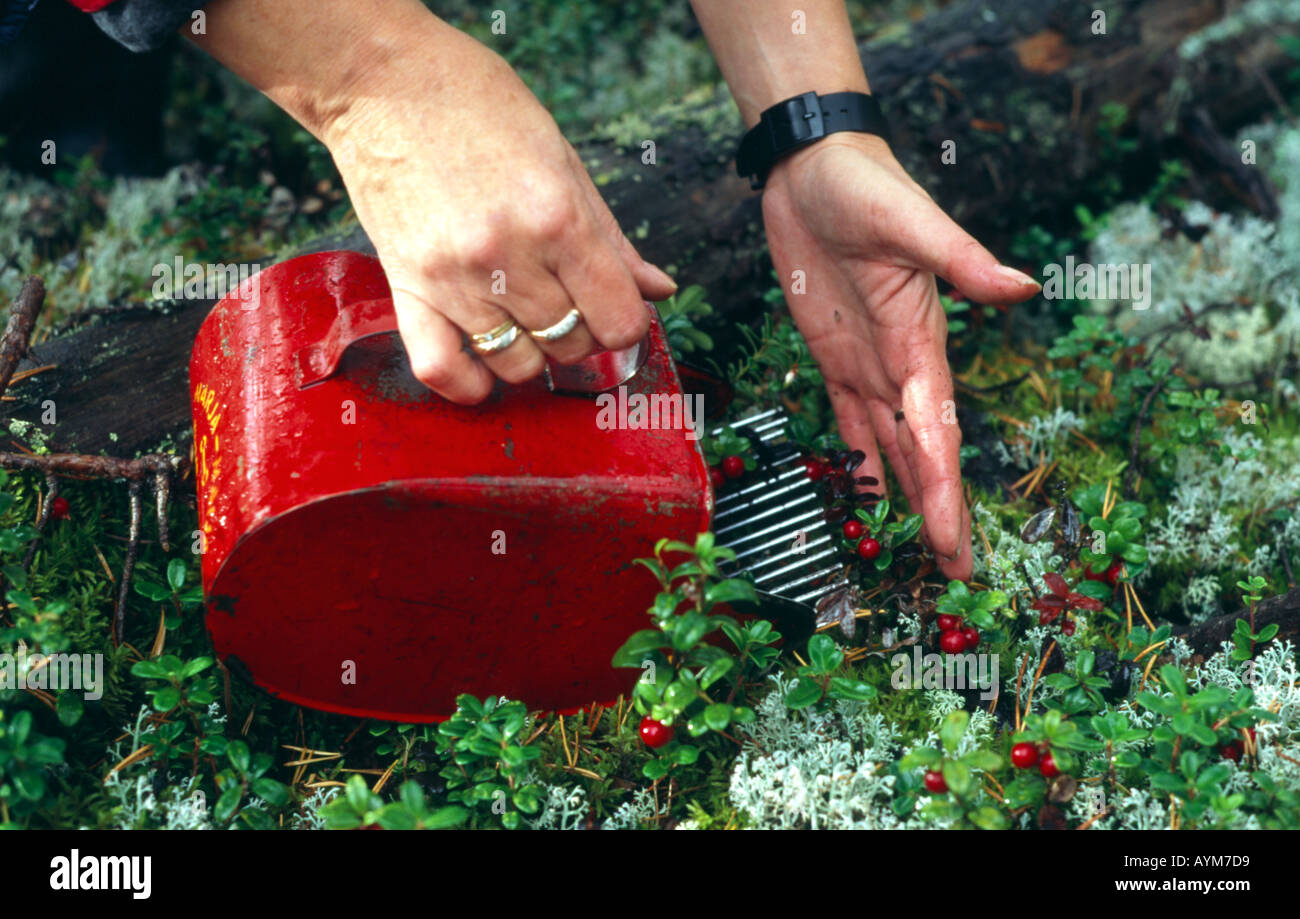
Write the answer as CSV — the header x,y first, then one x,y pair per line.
x,y
561,328
494,340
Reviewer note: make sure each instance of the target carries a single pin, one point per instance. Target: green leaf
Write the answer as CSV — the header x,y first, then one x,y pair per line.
x,y
855,690
29,784
272,792
823,654
911,526
958,777
1084,662
1173,679
716,671
1267,632
149,670
984,760
1134,554
1167,781
1095,589
445,818
167,698
358,794
176,573
954,726
804,693
70,708
732,590
690,628
227,803
717,716
237,752
195,667
921,756
152,589
635,649
987,818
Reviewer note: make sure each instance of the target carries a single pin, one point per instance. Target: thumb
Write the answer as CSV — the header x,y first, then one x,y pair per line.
x,y
934,243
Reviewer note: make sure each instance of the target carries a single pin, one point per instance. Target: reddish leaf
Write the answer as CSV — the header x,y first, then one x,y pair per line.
x,y
1057,584
1079,601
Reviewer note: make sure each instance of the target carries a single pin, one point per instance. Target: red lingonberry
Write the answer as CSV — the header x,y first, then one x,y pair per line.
x,y
1047,766
853,529
868,548
1023,755
733,467
1068,627
1232,751
952,641
655,733
1113,573
947,623
816,468
59,508
934,782
972,637
716,477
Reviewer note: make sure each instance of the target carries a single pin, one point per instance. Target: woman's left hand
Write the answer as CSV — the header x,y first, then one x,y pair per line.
x,y
869,242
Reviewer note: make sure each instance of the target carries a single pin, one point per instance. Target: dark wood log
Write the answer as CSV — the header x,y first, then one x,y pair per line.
x,y
1019,88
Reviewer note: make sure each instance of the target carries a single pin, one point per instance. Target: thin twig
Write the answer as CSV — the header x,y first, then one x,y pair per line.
x,y
128,566
1130,474
13,346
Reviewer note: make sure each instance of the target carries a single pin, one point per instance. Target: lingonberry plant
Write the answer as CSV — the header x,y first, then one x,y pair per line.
x,y
878,538
689,681
956,780
1244,636
1113,533
729,456
1061,600
360,808
816,679
489,768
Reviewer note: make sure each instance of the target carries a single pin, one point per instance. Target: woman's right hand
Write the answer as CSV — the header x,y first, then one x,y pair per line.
x,y
479,209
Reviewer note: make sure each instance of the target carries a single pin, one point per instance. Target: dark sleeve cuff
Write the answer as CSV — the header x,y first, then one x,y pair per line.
x,y
143,25
13,14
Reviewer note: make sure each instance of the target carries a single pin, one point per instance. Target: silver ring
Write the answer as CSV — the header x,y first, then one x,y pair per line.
x,y
498,339
561,328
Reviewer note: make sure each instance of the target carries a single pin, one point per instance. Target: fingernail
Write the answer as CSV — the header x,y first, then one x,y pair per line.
x,y
1019,277
662,275
956,555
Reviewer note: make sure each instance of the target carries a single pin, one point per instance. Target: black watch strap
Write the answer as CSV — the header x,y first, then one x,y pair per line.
x,y
801,120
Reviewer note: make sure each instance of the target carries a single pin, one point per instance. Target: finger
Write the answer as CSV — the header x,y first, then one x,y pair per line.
x,y
517,362
854,422
606,294
882,421
653,282
538,301
435,347
963,565
930,240
933,447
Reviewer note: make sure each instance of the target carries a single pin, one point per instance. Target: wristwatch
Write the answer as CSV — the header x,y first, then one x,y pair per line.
x,y
798,122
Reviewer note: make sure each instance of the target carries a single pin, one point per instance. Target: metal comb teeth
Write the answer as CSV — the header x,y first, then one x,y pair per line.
x,y
762,521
